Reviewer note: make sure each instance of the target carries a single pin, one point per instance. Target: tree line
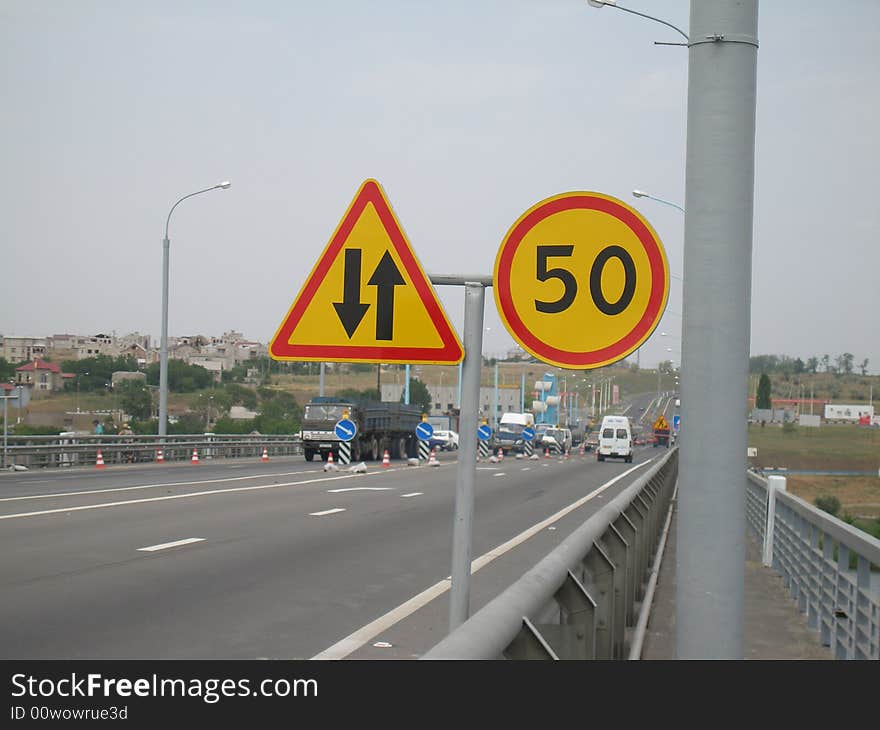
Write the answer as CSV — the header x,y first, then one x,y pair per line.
x,y
843,364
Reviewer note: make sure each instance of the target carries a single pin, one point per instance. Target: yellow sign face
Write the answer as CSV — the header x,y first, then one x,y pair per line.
x,y
367,299
581,280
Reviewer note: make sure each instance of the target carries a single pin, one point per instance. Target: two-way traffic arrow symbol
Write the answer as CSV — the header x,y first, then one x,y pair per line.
x,y
351,310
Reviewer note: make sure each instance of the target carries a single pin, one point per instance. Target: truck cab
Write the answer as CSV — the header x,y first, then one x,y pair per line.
x,y
508,437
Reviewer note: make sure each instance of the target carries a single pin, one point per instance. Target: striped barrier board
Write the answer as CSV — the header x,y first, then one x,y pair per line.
x,y
424,451
344,453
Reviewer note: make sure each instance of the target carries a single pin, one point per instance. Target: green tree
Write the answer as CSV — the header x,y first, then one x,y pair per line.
x,y
763,398
135,399
813,364
419,395
863,366
182,378
7,370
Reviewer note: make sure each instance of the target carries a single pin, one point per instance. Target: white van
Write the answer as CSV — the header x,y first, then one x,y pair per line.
x,y
615,439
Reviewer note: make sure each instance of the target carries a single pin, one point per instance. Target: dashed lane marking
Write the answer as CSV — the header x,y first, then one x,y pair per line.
x,y
166,545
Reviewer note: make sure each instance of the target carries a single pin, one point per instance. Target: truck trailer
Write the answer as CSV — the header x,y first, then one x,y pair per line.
x,y
380,425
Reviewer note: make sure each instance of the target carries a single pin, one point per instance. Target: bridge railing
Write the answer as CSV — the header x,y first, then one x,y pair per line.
x,y
36,452
826,565
579,601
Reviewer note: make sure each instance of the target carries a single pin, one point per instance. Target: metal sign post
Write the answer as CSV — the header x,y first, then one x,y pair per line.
x,y
462,528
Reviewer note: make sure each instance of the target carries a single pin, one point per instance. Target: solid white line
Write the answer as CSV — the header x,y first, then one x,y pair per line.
x,y
356,640
361,489
413,494
499,474
179,496
526,468
148,486
166,545
327,512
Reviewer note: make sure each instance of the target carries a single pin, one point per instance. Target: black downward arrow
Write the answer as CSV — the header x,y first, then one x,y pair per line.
x,y
350,310
385,278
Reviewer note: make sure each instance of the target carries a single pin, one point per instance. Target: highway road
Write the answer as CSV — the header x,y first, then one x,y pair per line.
x,y
239,559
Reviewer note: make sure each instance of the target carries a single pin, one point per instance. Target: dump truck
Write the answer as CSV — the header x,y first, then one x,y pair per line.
x,y
661,431
380,425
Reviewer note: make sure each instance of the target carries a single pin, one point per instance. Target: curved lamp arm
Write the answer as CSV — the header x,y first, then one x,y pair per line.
x,y
613,4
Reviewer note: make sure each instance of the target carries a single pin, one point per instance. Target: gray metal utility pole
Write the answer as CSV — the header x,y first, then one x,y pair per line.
x,y
719,196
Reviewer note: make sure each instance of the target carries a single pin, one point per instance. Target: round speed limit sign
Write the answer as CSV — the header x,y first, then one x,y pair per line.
x,y
581,280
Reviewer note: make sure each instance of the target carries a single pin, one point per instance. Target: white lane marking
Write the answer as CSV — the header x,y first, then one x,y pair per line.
x,y
327,512
526,468
166,545
413,494
499,474
356,640
149,486
67,510
361,489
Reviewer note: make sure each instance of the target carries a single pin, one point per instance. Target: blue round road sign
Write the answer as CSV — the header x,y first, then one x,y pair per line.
x,y
345,430
484,432
424,431
528,433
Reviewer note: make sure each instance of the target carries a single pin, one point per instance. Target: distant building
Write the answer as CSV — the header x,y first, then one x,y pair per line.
x,y
40,375
121,375
18,349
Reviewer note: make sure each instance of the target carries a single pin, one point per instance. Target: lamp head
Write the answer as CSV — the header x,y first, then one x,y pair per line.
x,y
600,3
225,184
639,193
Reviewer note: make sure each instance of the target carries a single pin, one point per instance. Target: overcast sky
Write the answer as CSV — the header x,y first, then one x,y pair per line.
x,y
467,112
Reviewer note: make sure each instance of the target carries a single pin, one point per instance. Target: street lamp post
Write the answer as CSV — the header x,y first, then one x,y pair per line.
x,y
163,351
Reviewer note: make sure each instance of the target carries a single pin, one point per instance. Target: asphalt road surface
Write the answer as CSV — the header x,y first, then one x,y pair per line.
x,y
265,560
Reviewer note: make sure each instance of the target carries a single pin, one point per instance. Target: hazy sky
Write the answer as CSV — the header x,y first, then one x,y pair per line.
x,y
467,112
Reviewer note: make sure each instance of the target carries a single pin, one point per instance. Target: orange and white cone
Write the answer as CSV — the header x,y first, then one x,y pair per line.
x,y
329,458
500,454
265,454
566,455
547,453
386,460
99,463
195,456
160,457
432,460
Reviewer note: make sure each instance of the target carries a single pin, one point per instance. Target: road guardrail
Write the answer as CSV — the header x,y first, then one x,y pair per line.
x,y
35,452
579,601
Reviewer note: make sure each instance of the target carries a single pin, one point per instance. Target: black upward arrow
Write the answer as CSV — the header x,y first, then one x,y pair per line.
x,y
385,278
350,310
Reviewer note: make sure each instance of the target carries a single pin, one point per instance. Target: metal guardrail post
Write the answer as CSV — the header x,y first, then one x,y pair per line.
x,y
629,533
618,550
601,586
639,518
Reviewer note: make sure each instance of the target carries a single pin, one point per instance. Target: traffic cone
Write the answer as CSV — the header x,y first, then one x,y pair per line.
x,y
265,454
432,460
547,453
329,458
160,458
195,457
99,464
500,454
386,461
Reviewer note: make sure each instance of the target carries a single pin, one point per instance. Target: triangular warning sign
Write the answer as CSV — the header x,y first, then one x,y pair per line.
x,y
367,299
